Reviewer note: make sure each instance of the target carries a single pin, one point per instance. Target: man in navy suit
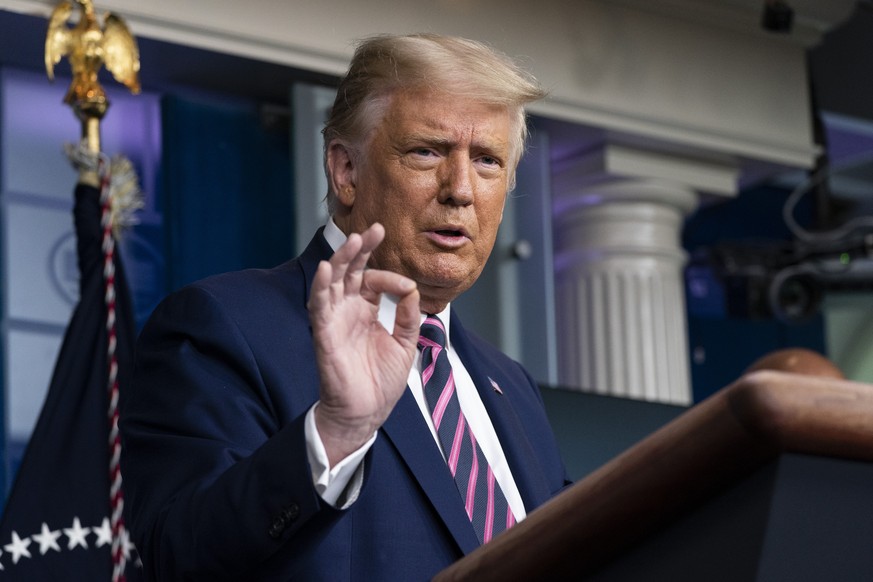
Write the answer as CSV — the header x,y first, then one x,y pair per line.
x,y
277,427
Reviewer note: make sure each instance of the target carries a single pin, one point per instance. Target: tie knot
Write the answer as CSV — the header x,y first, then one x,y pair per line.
x,y
433,333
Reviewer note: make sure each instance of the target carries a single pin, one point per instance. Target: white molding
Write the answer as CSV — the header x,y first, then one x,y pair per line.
x,y
780,152
680,71
616,160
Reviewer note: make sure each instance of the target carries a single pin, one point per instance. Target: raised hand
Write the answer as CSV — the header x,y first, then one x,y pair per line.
x,y
363,367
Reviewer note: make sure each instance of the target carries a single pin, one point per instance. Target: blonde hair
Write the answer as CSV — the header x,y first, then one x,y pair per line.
x,y
385,64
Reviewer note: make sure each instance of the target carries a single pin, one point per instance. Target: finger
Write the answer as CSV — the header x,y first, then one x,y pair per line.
x,y
376,282
344,256
407,320
319,296
340,262
370,239
355,273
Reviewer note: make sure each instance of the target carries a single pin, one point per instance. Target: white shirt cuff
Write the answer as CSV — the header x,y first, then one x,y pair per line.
x,y
344,480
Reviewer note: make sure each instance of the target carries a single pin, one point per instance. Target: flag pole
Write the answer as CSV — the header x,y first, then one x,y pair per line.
x,y
89,46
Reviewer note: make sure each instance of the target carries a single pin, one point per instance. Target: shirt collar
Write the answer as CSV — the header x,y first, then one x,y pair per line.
x,y
333,235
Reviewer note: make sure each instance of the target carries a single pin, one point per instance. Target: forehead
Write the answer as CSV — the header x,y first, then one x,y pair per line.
x,y
442,116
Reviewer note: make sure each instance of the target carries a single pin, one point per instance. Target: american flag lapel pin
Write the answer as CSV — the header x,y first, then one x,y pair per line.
x,y
495,385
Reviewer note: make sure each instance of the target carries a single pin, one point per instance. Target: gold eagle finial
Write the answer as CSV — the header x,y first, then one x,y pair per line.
x,y
88,45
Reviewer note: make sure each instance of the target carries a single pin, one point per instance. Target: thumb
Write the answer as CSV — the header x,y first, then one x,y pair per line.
x,y
407,320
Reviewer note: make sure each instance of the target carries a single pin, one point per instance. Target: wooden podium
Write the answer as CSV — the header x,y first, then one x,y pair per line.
x,y
762,481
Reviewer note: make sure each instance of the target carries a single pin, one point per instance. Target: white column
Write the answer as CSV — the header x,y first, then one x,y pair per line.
x,y
620,301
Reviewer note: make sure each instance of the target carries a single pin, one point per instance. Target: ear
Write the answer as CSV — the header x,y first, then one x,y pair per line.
x,y
341,171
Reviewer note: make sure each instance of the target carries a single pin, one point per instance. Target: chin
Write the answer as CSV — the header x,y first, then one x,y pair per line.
x,y
441,292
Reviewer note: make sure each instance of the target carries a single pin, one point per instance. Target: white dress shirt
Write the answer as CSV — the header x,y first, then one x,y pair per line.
x,y
347,475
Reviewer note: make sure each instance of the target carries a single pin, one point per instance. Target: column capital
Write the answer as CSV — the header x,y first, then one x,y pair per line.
x,y
654,172
674,196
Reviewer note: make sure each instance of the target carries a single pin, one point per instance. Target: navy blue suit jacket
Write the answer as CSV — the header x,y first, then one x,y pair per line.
x,y
216,476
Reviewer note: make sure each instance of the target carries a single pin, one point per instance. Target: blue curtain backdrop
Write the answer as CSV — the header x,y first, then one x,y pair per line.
x,y
227,189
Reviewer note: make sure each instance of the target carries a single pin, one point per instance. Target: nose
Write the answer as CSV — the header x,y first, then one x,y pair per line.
x,y
457,181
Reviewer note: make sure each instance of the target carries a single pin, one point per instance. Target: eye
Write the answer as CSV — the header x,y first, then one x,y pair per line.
x,y
489,163
423,152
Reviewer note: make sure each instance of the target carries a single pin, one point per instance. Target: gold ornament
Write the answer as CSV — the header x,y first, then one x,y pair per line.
x,y
88,45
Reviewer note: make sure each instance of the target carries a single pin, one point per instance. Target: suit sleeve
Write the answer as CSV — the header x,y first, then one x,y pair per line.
x,y
215,470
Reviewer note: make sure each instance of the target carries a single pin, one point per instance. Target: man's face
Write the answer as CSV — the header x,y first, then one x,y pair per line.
x,y
434,173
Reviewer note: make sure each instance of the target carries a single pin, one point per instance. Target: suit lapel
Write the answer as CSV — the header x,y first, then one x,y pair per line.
x,y
408,432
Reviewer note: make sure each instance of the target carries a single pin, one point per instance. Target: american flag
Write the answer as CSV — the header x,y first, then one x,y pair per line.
x,y
57,520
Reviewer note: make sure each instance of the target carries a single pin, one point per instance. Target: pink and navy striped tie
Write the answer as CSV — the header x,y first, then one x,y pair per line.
x,y
483,499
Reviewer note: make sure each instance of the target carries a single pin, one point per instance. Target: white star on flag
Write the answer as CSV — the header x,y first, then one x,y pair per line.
x,y
104,533
47,539
18,547
126,545
76,535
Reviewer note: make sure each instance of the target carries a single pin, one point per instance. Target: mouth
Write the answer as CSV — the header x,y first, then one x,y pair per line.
x,y
450,236
449,232
452,231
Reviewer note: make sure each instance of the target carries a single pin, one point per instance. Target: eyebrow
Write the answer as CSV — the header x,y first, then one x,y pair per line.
x,y
429,139
492,146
